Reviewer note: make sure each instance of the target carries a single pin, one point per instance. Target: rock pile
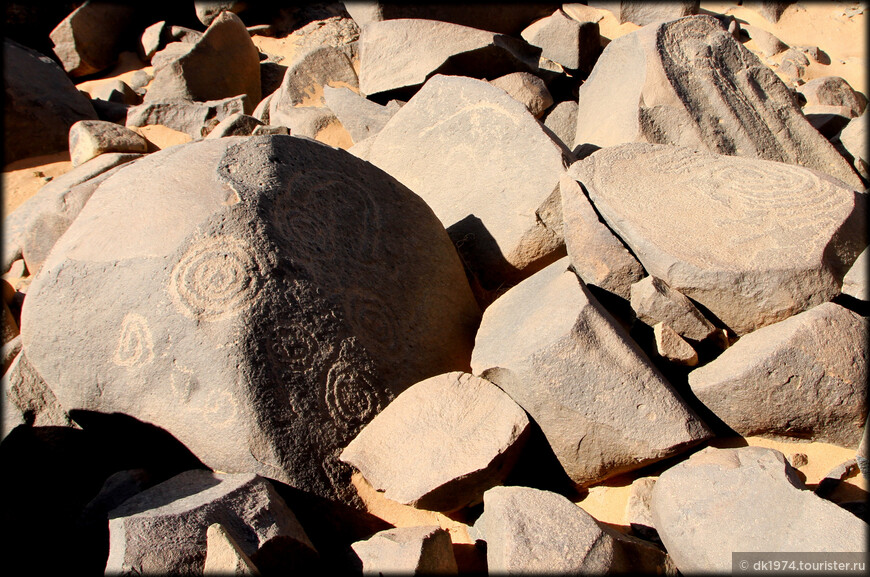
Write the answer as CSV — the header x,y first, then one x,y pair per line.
x,y
464,257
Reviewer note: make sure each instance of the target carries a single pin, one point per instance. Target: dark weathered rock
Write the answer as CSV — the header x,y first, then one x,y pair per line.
x,y
599,401
224,556
597,255
274,355
304,82
194,118
116,91
643,13
401,55
488,201
532,531
828,120
361,117
157,36
236,124
794,63
690,83
178,512
442,443
527,89
770,10
655,302
751,240
89,39
224,63
266,130
424,550
91,138
308,121
207,11
801,377
562,121
28,400
40,104
747,499
575,45
833,91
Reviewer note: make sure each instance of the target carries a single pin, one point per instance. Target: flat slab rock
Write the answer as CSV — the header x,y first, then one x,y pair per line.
x,y
803,377
178,513
599,401
442,443
250,341
690,83
484,165
746,499
751,240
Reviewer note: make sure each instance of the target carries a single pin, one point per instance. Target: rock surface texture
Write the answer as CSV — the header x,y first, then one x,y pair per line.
x,y
424,550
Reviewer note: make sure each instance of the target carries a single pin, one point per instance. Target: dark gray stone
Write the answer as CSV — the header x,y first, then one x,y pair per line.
x,y
91,138
194,118
89,40
236,124
424,550
572,44
655,302
116,91
770,10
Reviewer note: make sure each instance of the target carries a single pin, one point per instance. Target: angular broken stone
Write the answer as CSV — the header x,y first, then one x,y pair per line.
x,y
116,91
833,91
854,139
442,443
361,117
600,403
40,104
666,83
753,241
90,38
643,13
494,167
828,120
224,556
673,347
655,302
304,82
562,39
178,513
424,550
802,377
157,36
562,120
855,282
597,255
532,531
746,499
28,400
224,63
313,122
287,302
637,511
236,124
527,89
194,118
403,54
91,138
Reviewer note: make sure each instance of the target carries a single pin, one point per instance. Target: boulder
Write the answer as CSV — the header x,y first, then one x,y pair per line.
x,y
91,138
527,89
655,302
90,38
637,511
224,556
671,346
442,443
690,83
224,63
40,104
598,256
399,56
494,169
853,138
562,39
236,124
600,403
530,531
753,241
770,10
27,400
748,499
794,64
116,91
207,11
833,91
10,348
802,377
304,82
273,356
561,119
767,43
361,117
855,281
157,36
643,13
827,119
179,512
196,119
315,122
424,550
265,129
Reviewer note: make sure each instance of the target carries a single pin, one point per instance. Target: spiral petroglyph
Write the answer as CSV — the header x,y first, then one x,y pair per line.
x,y
292,346
371,317
215,279
135,345
351,395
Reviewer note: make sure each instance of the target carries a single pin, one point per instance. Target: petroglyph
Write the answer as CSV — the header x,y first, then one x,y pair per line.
x,y
136,345
352,397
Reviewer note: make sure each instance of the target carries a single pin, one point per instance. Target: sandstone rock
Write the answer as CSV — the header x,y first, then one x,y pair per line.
x,y
575,45
828,120
273,355
794,63
40,104
665,84
442,443
361,117
196,119
10,326
398,56
751,240
599,258
89,39
655,302
562,121
854,140
643,13
266,130
178,512
801,377
602,406
224,556
487,200
637,511
236,124
673,347
28,400
10,350
770,10
207,11
116,91
767,43
747,499
304,82
157,36
424,550
91,138
861,454
855,281
308,121
223,64
527,89
833,91
532,531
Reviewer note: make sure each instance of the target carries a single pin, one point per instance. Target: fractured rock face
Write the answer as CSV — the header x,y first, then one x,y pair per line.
x,y
802,377
89,39
91,138
286,303
424,550
655,302
572,44
690,83
753,241
442,443
484,165
600,403
746,499
527,89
